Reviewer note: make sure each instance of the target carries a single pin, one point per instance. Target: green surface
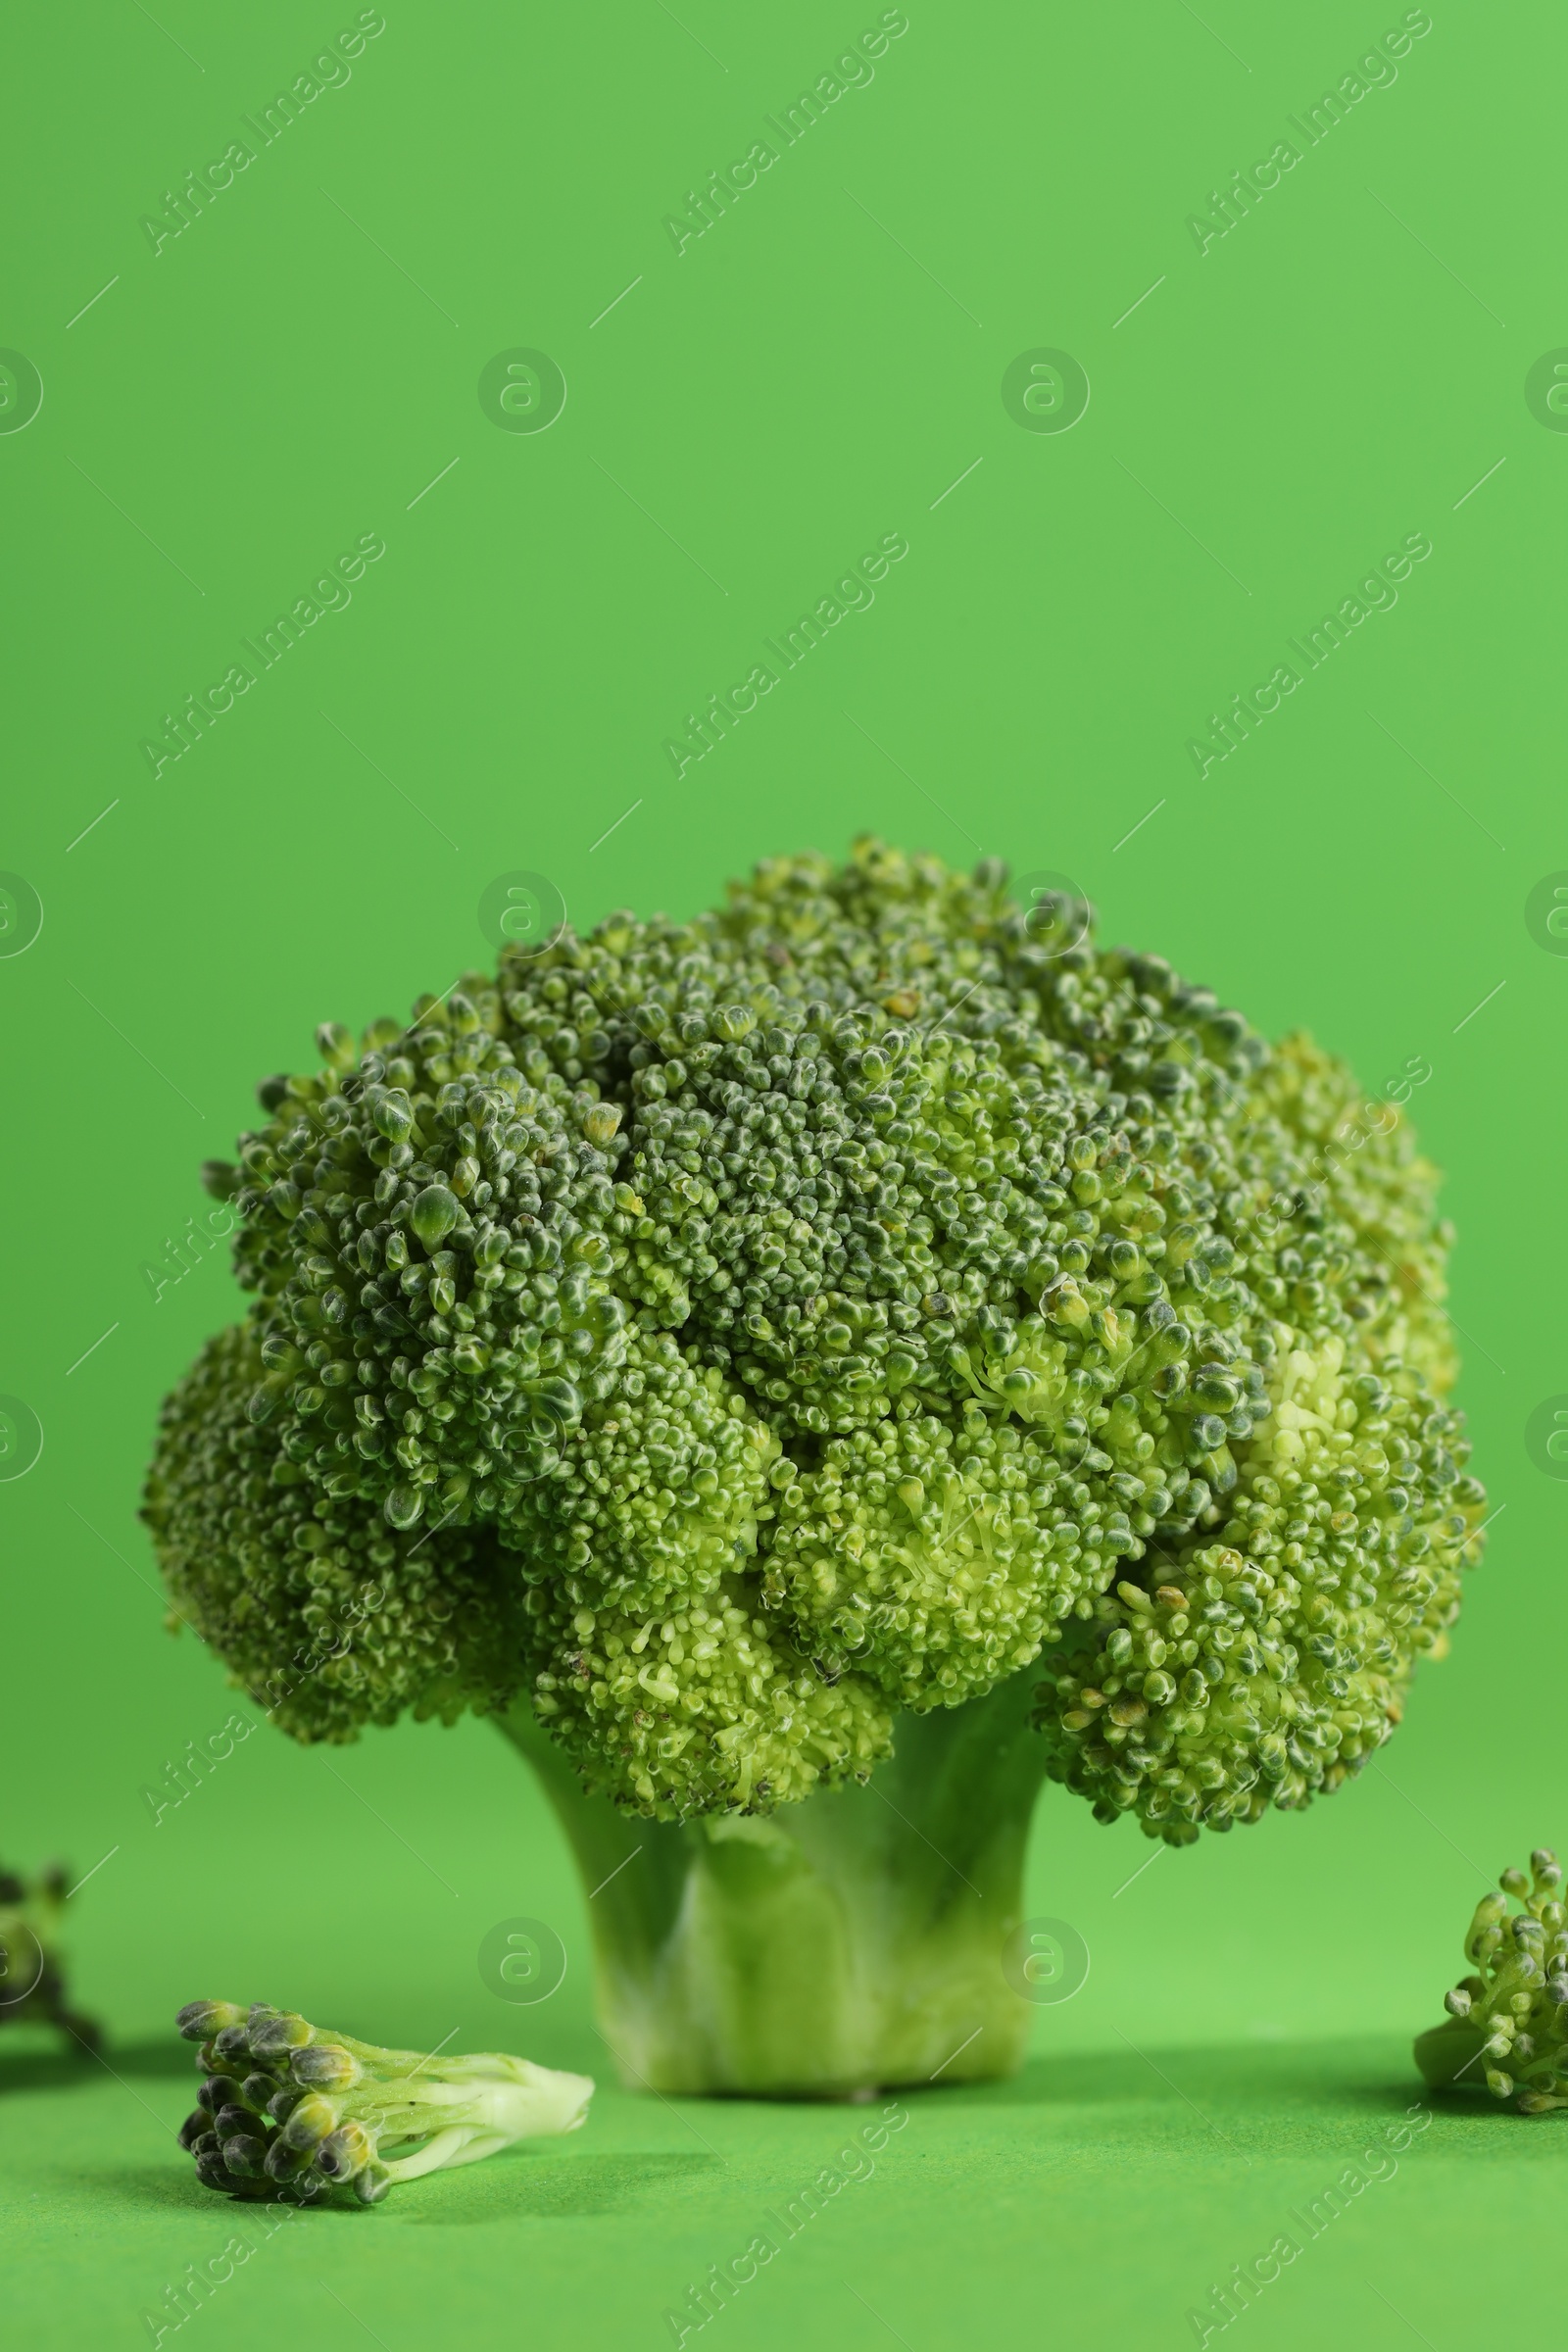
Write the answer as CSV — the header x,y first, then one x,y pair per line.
x,y
299,368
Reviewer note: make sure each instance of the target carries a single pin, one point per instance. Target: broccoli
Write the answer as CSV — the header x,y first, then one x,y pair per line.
x,y
1506,2031
32,1984
810,1374
287,2110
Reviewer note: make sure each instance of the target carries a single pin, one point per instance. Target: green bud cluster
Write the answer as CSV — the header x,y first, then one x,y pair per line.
x,y
287,2110
933,1561
658,1490
733,1332
324,1614
1270,1666
427,1232
834,1208
1508,2024
711,1708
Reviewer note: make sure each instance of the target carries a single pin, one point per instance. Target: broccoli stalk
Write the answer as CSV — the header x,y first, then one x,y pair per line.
x,y
285,2107
853,1941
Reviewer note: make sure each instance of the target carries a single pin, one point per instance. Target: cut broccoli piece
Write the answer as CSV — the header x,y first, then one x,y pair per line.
x,y
287,2109
1506,2031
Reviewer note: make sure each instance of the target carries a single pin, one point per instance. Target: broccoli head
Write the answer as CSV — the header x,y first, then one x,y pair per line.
x,y
723,1342
821,1309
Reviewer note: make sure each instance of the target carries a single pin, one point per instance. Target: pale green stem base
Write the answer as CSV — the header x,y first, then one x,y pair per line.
x,y
848,1944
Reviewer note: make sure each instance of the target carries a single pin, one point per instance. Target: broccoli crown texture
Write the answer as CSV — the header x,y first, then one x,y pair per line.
x,y
1507,2024
287,2110
729,1334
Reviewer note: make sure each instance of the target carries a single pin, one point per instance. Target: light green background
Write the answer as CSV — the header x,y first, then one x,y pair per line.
x,y
816,370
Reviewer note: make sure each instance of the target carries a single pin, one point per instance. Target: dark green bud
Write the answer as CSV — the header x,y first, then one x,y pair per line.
x,y
322,2067
434,1214
218,2091
246,2156
556,1397
371,2186
394,1116
278,2035
337,1047
345,2152
311,2122
402,1507
192,2129
283,2163
199,2021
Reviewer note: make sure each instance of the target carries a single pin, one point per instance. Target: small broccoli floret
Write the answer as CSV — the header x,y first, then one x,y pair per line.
x,y
1382,1195
1506,2031
32,1980
1287,1426
328,1617
657,1490
428,1235
288,2110
931,1561
708,1709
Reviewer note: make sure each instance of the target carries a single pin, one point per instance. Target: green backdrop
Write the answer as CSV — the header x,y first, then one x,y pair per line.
x,y
1291,376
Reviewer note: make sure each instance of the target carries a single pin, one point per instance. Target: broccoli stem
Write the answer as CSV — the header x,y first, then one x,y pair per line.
x,y
849,1942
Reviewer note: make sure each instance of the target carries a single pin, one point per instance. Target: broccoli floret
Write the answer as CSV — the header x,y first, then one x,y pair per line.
x,y
428,1235
287,2110
327,1617
657,1490
32,1980
719,1348
1506,2031
932,1562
